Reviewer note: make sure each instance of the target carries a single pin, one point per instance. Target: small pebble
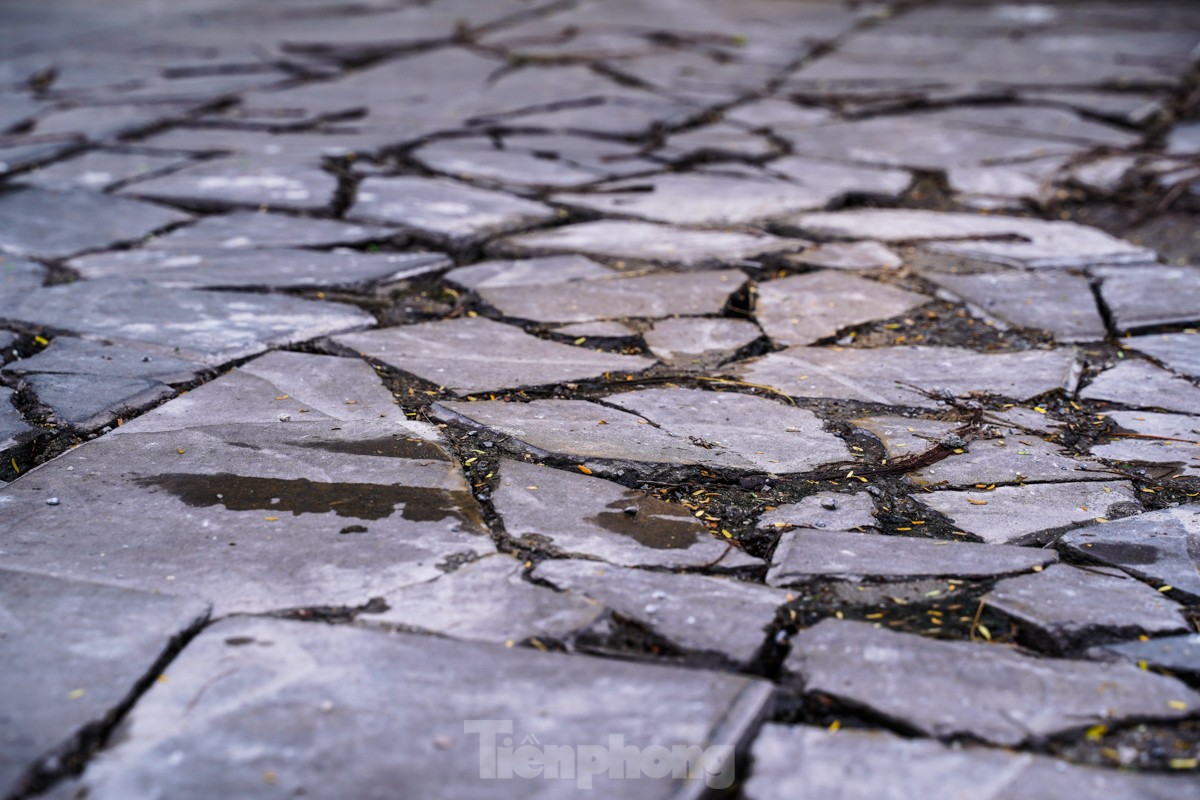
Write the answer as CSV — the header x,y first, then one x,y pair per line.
x,y
52,501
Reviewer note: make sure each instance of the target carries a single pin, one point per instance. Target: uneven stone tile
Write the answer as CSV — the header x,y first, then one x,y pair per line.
x,y
848,255
1173,441
73,654
769,435
885,375
1040,244
647,241
617,297
801,762
87,402
1162,547
1014,457
475,354
254,229
487,601
250,517
1030,513
100,169
1024,419
1104,174
17,276
1176,654
251,268
596,330
1058,302
804,308
17,152
699,341
721,139
695,612
779,115
834,182
581,516
527,272
262,183
1179,352
54,224
804,555
1146,296
825,511
475,160
268,670
952,689
210,327
13,428
445,210
1184,139
280,387
1066,608
1141,384
1006,184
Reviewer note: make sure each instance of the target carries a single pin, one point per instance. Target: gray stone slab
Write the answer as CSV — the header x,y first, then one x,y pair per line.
x,y
1146,296
262,183
1058,302
1184,139
1176,654
647,241
474,160
953,689
254,229
1066,608
582,516
720,139
17,275
54,224
1179,352
887,375
1039,243
805,555
488,601
617,297
98,170
596,330
1162,547
1171,440
307,695
1143,385
527,272
804,308
849,255
696,613
468,355
74,653
835,182
210,327
283,268
250,517
445,210
68,356
768,434
88,402
13,428
824,511
699,342
1030,513
804,763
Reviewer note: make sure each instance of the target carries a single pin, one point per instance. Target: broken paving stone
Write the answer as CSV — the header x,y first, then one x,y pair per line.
x,y
473,354
1024,419
802,762
804,308
1143,385
445,210
1179,352
247,516
88,402
487,601
719,139
805,555
1175,654
618,297
1172,440
581,516
210,327
696,613
281,387
1162,547
98,170
769,435
1064,608
261,183
74,654
48,223
833,182
1015,457
527,272
849,255
1032,512
903,375
275,269
1142,297
648,241
18,275
699,341
68,356
13,428
477,160
243,740
1039,243
254,229
825,510
954,689
596,330
1058,302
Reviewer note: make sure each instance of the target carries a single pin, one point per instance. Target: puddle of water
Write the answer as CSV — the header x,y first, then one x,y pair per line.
x,y
657,525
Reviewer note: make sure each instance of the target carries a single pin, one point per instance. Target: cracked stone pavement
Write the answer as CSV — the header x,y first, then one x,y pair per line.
x,y
458,399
